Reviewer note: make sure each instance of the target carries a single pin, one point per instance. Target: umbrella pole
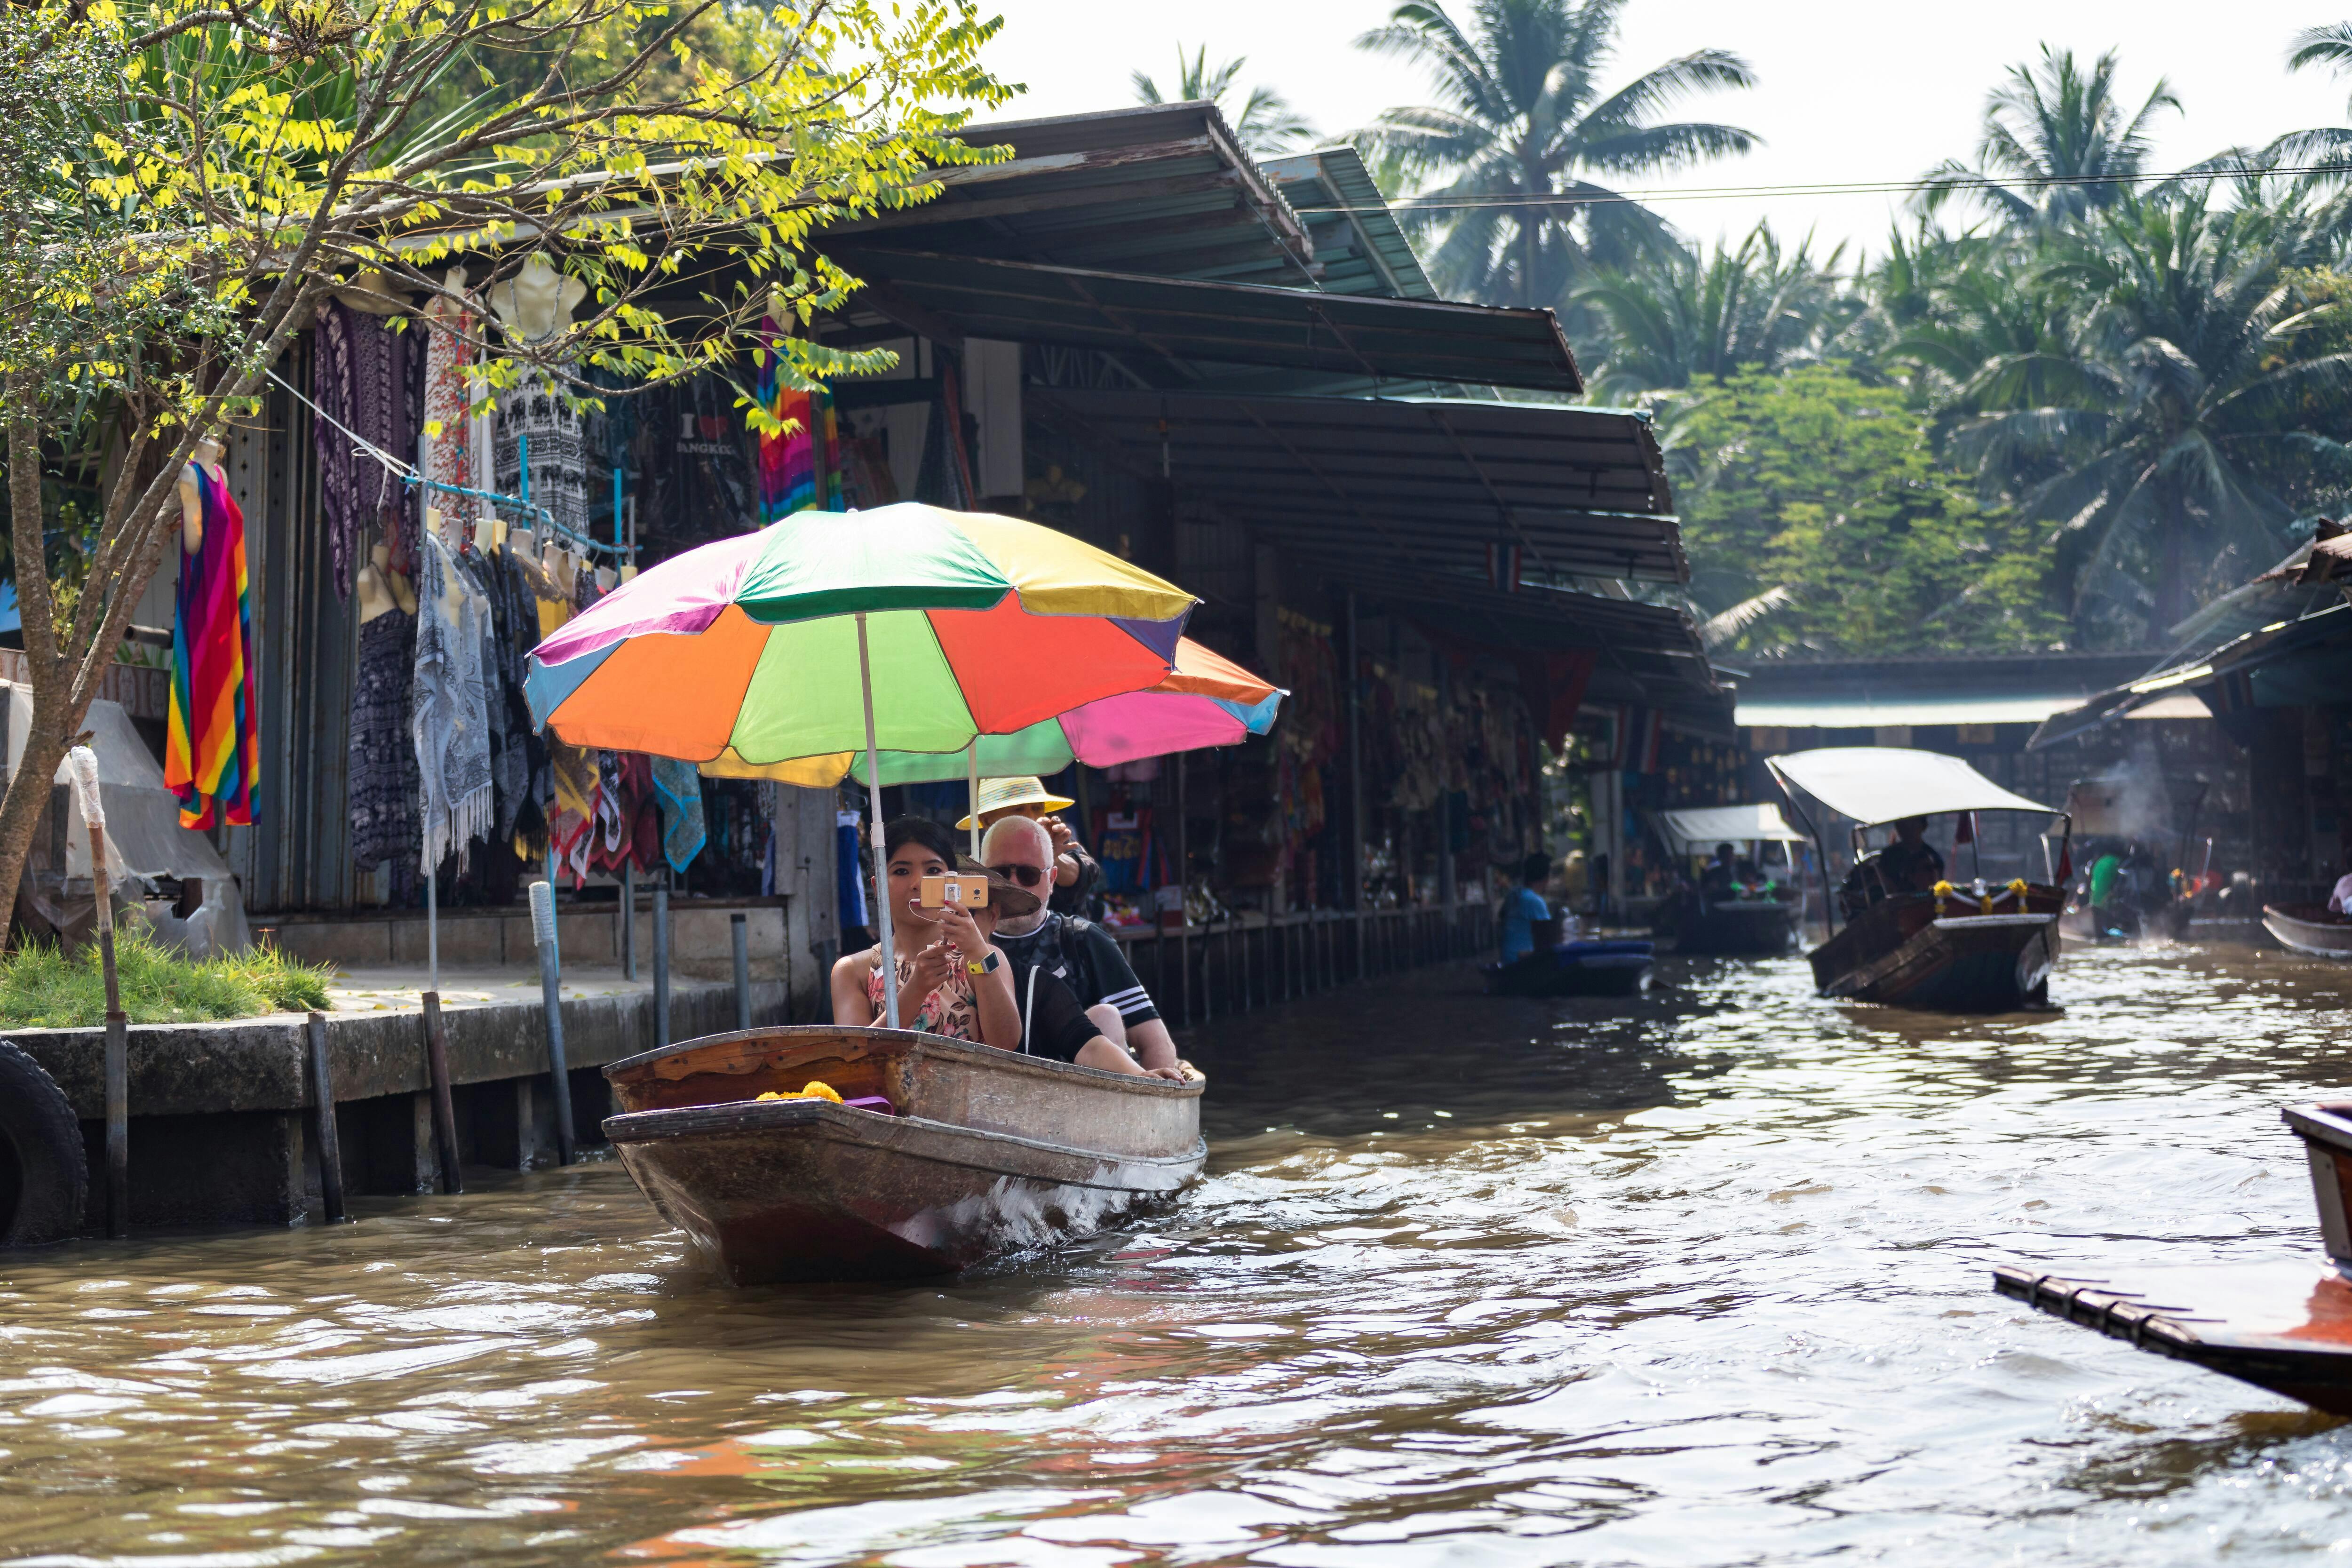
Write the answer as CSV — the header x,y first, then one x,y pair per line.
x,y
972,782
889,955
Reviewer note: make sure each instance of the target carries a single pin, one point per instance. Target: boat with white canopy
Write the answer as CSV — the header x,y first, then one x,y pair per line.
x,y
1753,911
1959,947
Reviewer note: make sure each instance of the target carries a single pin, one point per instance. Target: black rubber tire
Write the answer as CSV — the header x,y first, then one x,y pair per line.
x,y
44,1176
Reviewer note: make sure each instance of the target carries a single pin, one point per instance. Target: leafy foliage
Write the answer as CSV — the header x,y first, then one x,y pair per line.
x,y
1820,495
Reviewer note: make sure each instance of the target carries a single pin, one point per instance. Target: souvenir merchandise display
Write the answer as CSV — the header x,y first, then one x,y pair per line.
x,y
448,427
361,381
547,420
381,764
450,720
212,746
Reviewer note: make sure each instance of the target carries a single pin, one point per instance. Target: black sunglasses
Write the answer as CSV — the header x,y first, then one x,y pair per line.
x,y
1027,876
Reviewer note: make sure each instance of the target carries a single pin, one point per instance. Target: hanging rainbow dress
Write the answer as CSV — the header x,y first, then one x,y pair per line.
x,y
790,465
213,748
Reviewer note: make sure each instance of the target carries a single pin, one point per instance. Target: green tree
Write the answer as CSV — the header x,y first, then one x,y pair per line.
x,y
2330,48
1518,162
2061,138
2176,374
1266,124
208,172
1817,518
1745,307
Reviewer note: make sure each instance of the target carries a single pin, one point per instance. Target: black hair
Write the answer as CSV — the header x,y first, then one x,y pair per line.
x,y
905,830
1723,851
1535,868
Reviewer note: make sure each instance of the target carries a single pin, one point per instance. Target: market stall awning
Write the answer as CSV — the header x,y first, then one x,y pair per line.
x,y
1480,495
1702,827
1886,784
2291,663
1178,332
1868,713
1159,188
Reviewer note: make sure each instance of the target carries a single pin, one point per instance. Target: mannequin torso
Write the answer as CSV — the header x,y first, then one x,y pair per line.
x,y
208,456
382,589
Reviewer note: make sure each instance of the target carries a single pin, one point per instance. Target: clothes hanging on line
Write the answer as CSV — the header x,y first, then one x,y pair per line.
x,y
679,789
212,746
359,381
383,779
450,725
558,479
449,455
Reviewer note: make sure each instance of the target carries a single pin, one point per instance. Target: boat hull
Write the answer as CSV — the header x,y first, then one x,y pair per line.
x,y
806,1190
972,1153
2308,927
1913,953
1603,968
2285,1327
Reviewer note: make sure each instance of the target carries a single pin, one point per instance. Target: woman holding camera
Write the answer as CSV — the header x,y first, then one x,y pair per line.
x,y
952,979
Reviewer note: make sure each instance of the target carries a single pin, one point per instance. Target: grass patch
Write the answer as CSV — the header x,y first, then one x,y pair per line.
x,y
40,987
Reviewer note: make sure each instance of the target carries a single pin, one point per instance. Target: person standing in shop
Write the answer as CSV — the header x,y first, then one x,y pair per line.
x,y
1078,880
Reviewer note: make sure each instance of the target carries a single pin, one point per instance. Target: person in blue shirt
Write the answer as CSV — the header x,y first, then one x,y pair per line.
x,y
1525,909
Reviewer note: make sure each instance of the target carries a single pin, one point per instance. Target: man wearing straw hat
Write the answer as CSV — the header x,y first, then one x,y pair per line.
x,y
1075,871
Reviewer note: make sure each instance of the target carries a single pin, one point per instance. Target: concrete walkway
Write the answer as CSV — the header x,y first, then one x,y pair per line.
x,y
223,1114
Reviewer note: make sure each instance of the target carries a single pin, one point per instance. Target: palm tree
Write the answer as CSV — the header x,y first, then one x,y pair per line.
x,y
2148,406
1525,147
2059,136
2329,46
1739,309
1267,125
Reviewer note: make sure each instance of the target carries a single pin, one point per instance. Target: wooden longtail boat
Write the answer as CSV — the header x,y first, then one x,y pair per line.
x,y
962,1152
2309,928
1733,927
2286,1327
1959,948
1945,953
1744,924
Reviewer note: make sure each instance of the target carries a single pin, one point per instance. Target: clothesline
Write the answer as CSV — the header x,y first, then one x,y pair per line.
x,y
408,475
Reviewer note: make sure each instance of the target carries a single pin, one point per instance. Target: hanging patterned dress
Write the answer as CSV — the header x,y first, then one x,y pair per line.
x,y
383,780
212,747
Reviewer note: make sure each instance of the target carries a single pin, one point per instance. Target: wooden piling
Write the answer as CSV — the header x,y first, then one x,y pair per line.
x,y
331,1146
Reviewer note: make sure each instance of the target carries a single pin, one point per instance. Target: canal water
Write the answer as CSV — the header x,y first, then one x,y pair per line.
x,y
1700,1280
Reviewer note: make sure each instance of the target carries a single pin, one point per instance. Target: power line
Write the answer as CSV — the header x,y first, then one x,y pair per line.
x,y
1837,188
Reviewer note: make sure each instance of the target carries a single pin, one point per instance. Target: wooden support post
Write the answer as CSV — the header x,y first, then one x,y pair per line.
x,y
1352,682
444,1106
740,932
330,1143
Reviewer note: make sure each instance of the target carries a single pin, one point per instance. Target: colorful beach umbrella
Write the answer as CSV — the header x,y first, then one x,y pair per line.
x,y
1206,700
906,628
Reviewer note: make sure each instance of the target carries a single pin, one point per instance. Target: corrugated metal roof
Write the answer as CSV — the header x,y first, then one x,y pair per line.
x,y
1417,488
1358,245
1163,189
1181,333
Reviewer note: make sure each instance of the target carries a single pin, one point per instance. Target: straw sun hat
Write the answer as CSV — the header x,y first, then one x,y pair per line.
x,y
1002,794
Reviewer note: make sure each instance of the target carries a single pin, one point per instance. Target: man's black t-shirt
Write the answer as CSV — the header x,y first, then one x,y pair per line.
x,y
1085,957
1910,868
1052,1022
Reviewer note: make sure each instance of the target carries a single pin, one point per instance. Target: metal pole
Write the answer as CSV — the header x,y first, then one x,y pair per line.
x,y
629,919
1353,676
661,964
1183,894
551,1000
738,929
881,852
433,930
331,1146
972,782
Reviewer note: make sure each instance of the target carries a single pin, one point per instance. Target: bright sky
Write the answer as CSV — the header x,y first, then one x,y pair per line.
x,y
1848,90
